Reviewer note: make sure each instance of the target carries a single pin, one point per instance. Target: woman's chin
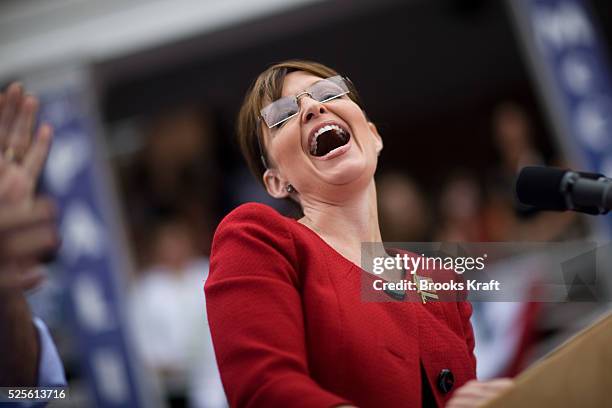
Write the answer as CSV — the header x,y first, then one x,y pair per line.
x,y
346,171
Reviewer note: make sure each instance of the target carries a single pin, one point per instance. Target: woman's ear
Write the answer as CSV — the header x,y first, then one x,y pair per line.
x,y
275,184
379,142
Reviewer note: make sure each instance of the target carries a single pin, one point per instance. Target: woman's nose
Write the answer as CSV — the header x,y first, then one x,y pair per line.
x,y
311,109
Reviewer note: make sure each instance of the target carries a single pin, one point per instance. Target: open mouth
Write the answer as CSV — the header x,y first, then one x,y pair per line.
x,y
328,138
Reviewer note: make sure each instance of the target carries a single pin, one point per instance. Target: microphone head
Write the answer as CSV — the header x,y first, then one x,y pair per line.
x,y
541,187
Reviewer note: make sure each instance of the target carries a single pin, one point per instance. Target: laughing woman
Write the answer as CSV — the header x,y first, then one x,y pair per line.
x,y
288,323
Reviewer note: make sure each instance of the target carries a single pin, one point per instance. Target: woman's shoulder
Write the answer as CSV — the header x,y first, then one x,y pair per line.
x,y
253,236
255,220
253,213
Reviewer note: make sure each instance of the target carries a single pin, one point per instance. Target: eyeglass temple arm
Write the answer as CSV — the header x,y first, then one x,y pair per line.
x,y
261,153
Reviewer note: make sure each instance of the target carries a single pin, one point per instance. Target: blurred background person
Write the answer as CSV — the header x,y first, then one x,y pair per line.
x,y
170,186
506,219
168,317
405,213
460,210
173,173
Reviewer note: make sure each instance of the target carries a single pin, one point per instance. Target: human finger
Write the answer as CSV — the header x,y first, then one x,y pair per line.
x,y
16,186
494,383
10,108
465,403
32,278
474,393
17,277
497,384
29,243
24,215
462,402
21,132
37,154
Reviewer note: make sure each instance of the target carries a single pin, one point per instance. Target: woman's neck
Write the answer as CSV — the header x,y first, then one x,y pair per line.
x,y
345,225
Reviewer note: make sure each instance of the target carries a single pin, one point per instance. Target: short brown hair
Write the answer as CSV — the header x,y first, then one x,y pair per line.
x,y
266,88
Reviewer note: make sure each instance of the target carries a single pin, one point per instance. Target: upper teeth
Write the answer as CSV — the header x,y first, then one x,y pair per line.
x,y
320,131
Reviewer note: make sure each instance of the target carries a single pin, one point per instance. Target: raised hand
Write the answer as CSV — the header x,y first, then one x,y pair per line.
x,y
27,231
22,151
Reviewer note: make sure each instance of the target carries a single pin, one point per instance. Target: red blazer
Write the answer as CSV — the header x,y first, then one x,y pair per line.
x,y
290,329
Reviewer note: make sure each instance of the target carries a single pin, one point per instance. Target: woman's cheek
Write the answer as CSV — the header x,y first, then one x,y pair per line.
x,y
292,166
282,149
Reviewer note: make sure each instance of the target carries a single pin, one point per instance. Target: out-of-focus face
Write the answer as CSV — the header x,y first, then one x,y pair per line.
x,y
325,146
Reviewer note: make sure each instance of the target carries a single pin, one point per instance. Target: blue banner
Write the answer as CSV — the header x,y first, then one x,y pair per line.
x,y
572,72
91,256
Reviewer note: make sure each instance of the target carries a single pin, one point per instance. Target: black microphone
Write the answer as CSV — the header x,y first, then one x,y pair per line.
x,y
548,188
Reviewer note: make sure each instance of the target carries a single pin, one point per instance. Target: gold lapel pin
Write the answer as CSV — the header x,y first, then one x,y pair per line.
x,y
424,294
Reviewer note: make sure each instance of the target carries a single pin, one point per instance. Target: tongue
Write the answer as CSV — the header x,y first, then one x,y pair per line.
x,y
329,141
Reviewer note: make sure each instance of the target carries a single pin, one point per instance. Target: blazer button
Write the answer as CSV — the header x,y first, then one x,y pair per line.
x,y
446,380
